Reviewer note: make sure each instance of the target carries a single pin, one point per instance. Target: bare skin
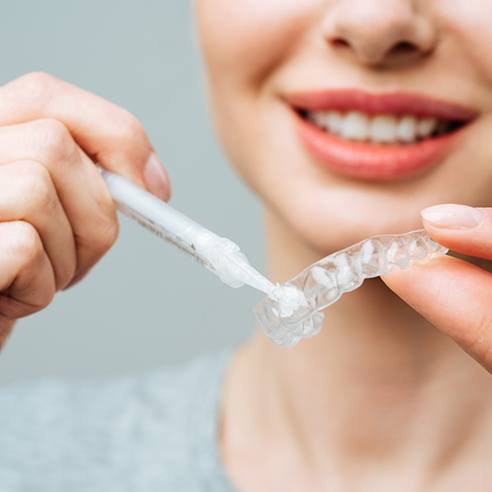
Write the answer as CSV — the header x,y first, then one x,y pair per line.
x,y
395,393
380,400
57,218
387,397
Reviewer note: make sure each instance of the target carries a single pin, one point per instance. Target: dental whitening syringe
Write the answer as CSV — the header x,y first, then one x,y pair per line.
x,y
218,254
292,310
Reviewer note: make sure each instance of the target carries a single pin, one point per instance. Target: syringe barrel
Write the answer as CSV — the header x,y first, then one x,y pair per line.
x,y
151,212
218,254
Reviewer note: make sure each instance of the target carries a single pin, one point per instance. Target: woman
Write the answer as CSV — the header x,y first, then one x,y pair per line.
x,y
348,119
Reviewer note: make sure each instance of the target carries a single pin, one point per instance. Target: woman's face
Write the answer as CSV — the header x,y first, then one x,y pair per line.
x,y
348,117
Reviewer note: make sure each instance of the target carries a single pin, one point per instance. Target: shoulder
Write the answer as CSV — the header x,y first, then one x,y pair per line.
x,y
151,430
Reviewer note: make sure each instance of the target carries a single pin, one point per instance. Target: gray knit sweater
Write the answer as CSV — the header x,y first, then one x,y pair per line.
x,y
145,434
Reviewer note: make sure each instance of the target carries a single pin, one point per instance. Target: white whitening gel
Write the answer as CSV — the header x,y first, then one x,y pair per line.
x,y
286,321
292,310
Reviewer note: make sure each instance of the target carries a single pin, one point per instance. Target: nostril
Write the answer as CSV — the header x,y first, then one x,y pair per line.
x,y
399,51
340,43
403,48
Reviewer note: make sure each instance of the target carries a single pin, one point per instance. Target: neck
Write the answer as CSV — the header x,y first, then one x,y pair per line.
x,y
377,382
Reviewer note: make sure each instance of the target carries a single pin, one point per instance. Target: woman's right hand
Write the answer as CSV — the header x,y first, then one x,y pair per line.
x,y
57,218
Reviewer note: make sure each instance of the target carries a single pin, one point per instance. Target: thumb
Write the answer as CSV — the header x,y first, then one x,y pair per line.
x,y
454,295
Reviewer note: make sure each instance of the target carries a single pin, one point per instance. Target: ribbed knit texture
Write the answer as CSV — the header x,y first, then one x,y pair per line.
x,y
144,434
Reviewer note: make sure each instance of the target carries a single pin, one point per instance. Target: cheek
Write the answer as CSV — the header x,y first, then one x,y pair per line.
x,y
469,22
243,43
247,38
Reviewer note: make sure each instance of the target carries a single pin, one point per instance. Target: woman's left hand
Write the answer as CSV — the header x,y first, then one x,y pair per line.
x,y
454,295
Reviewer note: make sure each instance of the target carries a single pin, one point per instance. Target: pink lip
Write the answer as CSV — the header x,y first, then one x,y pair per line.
x,y
393,103
371,161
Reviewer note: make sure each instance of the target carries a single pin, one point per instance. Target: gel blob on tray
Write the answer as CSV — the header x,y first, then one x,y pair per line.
x,y
292,311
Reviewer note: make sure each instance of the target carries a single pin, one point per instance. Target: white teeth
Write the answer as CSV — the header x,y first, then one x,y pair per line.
x,y
407,129
426,126
355,126
334,121
382,129
318,118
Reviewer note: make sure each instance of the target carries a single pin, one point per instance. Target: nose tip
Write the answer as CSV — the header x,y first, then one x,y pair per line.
x,y
371,54
378,32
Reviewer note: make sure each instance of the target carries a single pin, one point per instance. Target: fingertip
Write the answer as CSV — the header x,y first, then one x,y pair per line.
x,y
450,216
463,229
156,179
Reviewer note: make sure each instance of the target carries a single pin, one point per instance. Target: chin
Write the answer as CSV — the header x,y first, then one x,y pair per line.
x,y
329,207
328,213
328,226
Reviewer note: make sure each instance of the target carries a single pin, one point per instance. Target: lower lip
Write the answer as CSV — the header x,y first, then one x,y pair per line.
x,y
372,161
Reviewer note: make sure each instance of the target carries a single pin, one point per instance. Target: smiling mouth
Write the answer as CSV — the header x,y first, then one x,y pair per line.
x,y
377,136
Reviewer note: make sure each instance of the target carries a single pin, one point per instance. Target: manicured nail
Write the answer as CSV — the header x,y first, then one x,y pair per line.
x,y
450,216
156,178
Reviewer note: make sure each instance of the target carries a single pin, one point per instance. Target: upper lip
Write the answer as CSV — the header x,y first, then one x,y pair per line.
x,y
394,103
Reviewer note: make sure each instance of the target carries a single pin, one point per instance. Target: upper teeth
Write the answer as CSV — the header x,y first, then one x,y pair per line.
x,y
355,125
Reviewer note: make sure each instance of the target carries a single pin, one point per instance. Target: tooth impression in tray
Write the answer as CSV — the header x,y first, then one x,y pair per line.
x,y
292,311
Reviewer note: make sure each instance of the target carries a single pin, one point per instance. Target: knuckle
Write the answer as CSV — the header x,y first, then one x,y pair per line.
x,y
37,77
107,235
102,236
55,140
37,85
48,294
26,243
129,128
43,299
64,275
104,229
37,187
70,273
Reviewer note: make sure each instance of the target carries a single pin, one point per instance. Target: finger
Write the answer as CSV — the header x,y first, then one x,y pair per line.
x,y
79,185
27,280
27,193
107,133
463,229
455,296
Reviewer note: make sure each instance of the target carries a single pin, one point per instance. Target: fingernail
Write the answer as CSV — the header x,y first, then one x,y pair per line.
x,y
450,216
156,178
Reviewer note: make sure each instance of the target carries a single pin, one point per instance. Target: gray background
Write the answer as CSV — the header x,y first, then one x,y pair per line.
x,y
146,304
